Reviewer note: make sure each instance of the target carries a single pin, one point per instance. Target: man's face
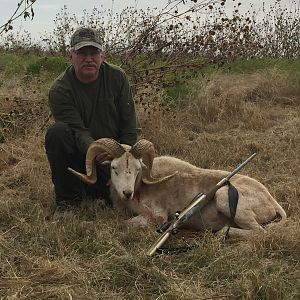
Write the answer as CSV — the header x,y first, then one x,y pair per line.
x,y
86,62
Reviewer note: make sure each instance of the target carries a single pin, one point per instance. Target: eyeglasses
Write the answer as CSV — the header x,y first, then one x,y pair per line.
x,y
84,53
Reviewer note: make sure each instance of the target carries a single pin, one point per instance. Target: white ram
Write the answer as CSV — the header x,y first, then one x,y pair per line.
x,y
154,188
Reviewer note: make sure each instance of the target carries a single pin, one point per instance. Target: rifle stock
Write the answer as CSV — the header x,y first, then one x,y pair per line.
x,y
200,200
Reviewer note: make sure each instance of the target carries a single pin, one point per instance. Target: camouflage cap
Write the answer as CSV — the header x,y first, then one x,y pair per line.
x,y
86,37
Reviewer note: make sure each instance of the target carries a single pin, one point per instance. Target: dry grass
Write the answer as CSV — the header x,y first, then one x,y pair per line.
x,y
90,256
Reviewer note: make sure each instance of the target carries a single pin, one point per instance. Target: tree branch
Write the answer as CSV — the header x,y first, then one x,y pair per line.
x,y
17,13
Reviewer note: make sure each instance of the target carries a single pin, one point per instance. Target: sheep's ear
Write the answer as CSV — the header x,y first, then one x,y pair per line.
x,y
153,180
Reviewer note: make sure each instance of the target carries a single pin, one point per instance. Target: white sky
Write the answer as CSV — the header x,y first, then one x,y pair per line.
x,y
46,10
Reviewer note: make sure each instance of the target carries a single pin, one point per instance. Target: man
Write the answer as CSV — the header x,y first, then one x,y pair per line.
x,y
91,99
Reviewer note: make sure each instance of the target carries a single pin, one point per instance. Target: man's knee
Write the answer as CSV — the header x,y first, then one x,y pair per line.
x,y
58,130
59,135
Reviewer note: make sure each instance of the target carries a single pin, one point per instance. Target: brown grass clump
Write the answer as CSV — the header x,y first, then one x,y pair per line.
x,y
88,255
22,104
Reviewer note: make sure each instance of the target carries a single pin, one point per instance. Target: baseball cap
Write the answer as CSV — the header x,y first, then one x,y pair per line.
x,y
83,37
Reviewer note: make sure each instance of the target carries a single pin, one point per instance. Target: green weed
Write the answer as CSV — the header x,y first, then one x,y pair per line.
x,y
51,64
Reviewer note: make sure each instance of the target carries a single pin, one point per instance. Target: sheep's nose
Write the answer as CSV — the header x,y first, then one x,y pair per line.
x,y
127,194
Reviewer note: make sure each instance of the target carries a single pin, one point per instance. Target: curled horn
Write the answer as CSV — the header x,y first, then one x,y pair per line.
x,y
104,149
145,149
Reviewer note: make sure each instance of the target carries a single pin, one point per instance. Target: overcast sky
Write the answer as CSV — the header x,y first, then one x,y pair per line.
x,y
46,10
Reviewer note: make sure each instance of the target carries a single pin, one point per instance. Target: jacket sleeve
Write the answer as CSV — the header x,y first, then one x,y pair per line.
x,y
63,110
129,124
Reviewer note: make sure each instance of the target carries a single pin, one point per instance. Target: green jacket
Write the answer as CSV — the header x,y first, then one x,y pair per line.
x,y
103,108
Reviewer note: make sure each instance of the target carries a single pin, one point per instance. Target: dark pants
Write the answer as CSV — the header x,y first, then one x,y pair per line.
x,y
62,153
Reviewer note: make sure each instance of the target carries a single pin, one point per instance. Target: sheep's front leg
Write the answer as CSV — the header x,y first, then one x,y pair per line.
x,y
138,221
146,219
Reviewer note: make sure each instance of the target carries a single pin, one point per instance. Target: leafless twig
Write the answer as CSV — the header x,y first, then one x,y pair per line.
x,y
18,13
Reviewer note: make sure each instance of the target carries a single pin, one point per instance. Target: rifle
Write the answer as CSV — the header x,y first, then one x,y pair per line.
x,y
199,201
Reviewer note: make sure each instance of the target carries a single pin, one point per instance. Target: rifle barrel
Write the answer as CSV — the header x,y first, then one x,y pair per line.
x,y
239,167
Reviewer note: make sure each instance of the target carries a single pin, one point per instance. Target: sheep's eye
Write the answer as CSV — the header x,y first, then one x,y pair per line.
x,y
115,170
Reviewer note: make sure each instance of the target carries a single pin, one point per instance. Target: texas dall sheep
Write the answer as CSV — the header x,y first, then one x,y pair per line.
x,y
154,188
